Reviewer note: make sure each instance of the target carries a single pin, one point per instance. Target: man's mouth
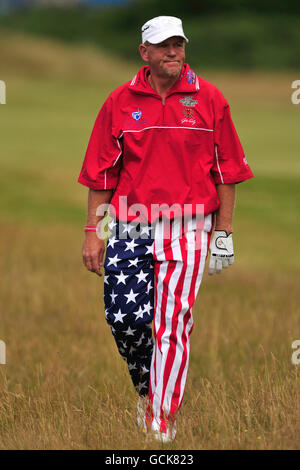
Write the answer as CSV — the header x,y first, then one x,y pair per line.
x,y
171,62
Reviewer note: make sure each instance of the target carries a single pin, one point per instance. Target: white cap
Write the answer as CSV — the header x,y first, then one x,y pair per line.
x,y
161,28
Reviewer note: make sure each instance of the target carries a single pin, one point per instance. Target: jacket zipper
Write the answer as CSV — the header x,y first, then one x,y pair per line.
x,y
163,116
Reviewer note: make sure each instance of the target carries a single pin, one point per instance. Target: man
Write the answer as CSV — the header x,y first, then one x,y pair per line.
x,y
165,154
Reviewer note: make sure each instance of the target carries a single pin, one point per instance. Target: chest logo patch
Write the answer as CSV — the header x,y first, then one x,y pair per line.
x,y
188,112
188,101
137,114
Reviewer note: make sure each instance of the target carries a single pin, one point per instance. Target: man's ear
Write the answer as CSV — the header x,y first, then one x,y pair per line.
x,y
144,52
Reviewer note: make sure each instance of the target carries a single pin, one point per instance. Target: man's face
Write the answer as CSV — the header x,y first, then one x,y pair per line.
x,y
166,58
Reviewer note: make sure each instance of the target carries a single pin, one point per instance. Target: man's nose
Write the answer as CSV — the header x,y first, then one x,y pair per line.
x,y
171,51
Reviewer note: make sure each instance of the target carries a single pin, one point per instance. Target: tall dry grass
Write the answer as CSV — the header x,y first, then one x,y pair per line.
x,y
65,387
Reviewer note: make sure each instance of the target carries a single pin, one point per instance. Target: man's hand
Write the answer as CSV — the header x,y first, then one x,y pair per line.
x,y
92,252
221,251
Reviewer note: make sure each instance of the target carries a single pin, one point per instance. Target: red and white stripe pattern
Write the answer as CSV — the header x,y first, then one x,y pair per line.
x,y
179,266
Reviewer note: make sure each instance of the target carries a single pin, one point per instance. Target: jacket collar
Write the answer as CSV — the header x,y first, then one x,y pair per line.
x,y
188,82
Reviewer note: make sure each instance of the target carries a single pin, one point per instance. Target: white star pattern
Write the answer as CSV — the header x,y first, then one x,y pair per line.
x,y
119,316
140,386
113,297
121,278
144,370
141,276
147,308
128,290
131,296
146,229
130,227
112,224
139,342
133,262
114,261
149,287
131,245
150,249
125,228
129,332
139,313
111,241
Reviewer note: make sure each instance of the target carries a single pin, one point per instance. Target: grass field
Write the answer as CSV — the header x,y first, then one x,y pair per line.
x,y
64,385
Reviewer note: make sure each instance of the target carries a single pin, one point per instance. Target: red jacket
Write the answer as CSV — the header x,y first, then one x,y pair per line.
x,y
171,151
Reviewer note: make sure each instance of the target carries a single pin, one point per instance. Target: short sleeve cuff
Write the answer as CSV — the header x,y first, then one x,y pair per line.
x,y
107,182
232,179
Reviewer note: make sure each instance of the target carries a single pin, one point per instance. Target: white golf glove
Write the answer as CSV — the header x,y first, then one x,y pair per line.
x,y
221,251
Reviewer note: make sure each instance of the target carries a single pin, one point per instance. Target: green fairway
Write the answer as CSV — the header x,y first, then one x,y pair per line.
x,y
64,383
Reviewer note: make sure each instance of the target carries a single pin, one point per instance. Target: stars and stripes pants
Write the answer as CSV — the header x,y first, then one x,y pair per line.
x,y
154,280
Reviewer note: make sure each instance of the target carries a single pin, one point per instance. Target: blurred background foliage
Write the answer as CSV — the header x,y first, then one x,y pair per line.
x,y
226,34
